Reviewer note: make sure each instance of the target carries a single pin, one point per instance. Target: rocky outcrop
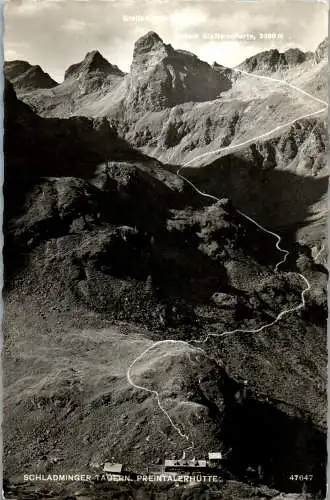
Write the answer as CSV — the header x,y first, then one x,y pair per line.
x,y
273,60
223,70
295,57
321,52
149,50
26,77
93,63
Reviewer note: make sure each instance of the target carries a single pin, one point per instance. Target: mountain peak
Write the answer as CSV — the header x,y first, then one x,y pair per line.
x,y
149,49
93,62
164,77
26,77
149,40
94,55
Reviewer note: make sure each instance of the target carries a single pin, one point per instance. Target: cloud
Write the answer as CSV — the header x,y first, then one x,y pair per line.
x,y
30,7
14,50
188,18
228,53
11,54
74,25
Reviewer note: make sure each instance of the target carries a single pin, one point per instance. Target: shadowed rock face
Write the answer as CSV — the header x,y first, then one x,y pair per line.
x,y
55,146
273,60
148,50
276,181
120,186
163,77
26,77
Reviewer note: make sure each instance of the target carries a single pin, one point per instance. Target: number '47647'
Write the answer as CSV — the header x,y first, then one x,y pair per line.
x,y
301,477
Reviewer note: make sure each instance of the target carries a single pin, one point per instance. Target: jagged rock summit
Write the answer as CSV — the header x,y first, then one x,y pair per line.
x,y
149,50
94,73
273,60
26,77
164,77
93,62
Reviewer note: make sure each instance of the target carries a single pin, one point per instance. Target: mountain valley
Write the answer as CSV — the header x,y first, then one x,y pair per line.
x,y
110,251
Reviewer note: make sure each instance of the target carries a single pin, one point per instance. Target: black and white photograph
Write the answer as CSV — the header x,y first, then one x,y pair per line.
x,y
165,250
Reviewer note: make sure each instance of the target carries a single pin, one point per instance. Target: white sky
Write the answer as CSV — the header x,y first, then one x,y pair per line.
x,y
58,33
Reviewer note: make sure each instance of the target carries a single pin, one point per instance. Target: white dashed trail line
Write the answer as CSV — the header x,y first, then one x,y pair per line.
x,y
285,253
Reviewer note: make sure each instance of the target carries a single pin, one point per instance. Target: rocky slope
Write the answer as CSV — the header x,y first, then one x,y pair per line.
x,y
322,50
160,77
282,182
26,78
93,65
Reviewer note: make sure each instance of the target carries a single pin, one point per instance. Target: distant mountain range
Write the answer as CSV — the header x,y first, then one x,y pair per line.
x,y
175,108
159,77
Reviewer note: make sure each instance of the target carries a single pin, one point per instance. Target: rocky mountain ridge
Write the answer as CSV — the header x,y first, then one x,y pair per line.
x,y
144,106
159,108
27,78
273,60
178,73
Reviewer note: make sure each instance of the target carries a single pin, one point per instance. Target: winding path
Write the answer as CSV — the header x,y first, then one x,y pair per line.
x,y
285,253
